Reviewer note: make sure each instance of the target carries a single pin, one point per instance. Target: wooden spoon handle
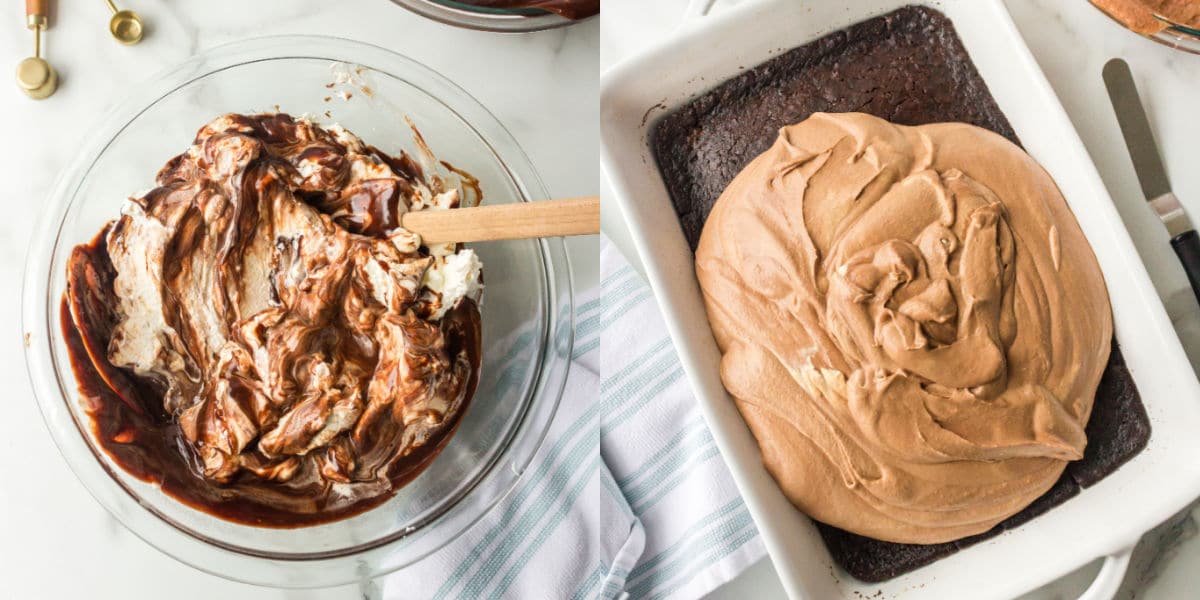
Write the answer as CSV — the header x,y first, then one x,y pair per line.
x,y
547,218
37,12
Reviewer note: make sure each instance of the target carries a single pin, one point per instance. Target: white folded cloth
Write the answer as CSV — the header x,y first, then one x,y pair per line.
x,y
565,531
655,442
628,496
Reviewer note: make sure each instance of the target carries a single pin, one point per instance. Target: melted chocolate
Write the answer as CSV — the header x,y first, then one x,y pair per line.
x,y
571,9
132,429
257,432
148,444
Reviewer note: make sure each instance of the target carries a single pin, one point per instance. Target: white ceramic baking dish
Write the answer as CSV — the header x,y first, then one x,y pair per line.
x,y
1104,520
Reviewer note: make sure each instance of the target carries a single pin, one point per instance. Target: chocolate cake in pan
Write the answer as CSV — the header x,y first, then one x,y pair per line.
x,y
910,68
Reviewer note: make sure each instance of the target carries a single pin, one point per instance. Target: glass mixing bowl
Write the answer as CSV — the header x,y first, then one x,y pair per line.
x,y
482,18
527,306
1179,37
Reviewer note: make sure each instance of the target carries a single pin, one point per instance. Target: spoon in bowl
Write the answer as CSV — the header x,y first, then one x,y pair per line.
x,y
546,218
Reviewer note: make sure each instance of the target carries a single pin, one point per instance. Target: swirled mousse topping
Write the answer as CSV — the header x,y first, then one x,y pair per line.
x,y
259,336
911,321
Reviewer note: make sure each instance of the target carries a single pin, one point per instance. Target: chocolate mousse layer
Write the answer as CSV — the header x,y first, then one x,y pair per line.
x,y
938,323
259,337
910,68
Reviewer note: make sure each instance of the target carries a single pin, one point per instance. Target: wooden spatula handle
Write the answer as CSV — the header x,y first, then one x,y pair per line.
x,y
36,13
546,218
36,7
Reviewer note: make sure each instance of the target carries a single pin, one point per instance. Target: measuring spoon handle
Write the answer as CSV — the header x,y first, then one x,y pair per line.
x,y
36,13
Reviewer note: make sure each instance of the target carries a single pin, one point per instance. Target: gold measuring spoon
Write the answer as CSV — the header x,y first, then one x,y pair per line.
x,y
35,76
125,25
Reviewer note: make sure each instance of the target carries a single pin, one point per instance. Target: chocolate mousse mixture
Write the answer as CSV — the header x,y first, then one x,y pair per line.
x,y
1143,16
911,323
259,337
571,9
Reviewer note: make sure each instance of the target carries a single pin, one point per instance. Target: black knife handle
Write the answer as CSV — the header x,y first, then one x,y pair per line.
x,y
1187,246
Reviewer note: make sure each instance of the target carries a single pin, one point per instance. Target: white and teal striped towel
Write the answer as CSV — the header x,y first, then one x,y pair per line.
x,y
565,532
659,449
628,495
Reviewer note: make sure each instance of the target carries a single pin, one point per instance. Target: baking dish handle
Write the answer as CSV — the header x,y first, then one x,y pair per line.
x,y
1109,579
697,8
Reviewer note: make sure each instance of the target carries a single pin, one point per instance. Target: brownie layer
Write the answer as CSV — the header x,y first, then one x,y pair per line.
x,y
908,67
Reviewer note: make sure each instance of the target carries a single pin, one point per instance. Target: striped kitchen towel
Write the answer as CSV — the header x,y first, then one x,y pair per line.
x,y
657,446
565,532
628,497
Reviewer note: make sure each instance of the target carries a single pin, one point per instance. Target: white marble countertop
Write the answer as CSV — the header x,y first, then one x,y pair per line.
x,y
1071,41
55,540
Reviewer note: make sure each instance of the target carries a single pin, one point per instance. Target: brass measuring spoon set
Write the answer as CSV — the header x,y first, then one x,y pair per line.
x,y
35,76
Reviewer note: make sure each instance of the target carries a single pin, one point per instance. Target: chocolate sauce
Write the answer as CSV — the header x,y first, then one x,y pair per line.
x,y
416,380
133,430
571,9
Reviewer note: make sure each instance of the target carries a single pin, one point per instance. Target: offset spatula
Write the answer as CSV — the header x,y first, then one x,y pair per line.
x,y
1150,172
